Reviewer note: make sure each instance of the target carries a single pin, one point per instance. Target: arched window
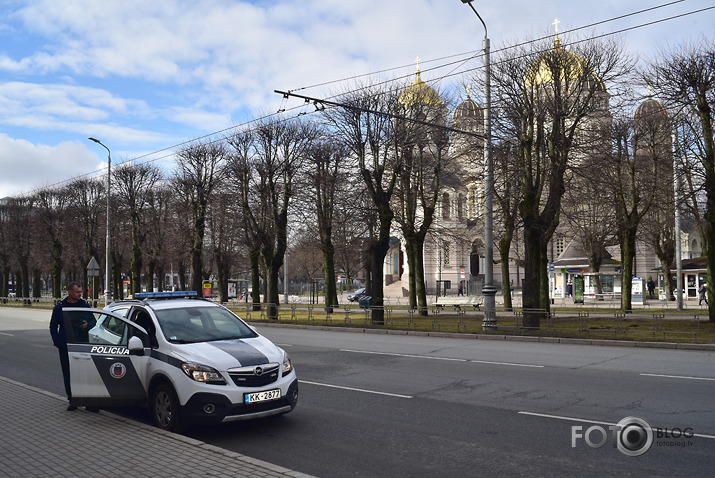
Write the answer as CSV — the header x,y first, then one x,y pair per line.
x,y
474,201
446,257
460,206
445,206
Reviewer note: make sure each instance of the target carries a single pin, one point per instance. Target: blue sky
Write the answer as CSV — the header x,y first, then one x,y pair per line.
x,y
145,76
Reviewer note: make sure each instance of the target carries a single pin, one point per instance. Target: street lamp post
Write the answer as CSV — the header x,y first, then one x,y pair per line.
x,y
488,290
108,269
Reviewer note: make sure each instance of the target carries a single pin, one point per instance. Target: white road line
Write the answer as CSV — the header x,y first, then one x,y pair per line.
x,y
403,355
583,420
355,389
9,335
507,363
677,376
441,358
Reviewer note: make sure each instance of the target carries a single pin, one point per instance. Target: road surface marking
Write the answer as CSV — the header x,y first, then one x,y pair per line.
x,y
507,363
355,389
9,335
583,420
403,355
441,358
677,376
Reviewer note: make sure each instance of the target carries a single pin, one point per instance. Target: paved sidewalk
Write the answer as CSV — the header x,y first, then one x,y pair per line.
x,y
39,438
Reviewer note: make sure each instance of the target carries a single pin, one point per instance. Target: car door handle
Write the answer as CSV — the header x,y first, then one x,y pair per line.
x,y
82,357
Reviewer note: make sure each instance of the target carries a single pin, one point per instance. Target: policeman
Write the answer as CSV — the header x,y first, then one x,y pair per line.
x,y
59,336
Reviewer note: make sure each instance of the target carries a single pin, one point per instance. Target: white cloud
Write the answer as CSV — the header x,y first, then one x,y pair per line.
x,y
28,166
142,75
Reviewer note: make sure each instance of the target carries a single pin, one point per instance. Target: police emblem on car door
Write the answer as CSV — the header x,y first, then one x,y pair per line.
x,y
108,357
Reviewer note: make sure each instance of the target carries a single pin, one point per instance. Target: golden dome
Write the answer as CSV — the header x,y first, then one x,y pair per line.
x,y
567,63
420,93
650,109
468,109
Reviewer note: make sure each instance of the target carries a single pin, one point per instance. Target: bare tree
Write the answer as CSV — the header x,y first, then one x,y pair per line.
x,y
86,206
52,205
420,149
224,218
634,170
201,168
266,171
241,175
326,174
684,78
366,128
20,212
550,102
135,184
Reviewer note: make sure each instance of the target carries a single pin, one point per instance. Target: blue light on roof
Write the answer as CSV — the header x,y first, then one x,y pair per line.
x,y
166,295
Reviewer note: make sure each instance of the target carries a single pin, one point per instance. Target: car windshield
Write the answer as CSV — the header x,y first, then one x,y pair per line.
x,y
201,324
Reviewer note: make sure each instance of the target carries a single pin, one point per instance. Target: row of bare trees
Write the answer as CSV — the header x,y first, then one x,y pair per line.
x,y
342,182
569,147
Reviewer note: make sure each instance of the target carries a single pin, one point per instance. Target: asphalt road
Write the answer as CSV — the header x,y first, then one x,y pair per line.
x,y
395,405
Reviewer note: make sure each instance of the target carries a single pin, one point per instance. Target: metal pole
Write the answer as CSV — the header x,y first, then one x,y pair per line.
x,y
488,290
678,250
108,268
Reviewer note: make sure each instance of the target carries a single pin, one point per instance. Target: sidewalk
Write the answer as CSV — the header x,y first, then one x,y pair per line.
x,y
39,438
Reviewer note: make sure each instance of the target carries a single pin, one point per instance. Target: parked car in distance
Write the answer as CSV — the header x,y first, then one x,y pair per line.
x,y
356,295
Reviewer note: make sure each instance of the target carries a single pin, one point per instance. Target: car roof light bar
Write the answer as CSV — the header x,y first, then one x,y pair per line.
x,y
179,294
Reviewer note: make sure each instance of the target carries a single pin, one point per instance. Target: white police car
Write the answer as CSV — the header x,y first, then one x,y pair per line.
x,y
189,359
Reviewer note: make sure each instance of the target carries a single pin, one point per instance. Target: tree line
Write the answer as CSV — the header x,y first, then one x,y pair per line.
x,y
338,184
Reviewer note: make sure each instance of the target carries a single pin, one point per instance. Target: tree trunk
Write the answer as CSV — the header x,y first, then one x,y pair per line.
x,y
254,256
56,268
628,253
504,247
36,284
420,286
412,266
331,290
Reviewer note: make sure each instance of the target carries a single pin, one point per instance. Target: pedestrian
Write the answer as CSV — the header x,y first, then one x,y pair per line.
x,y
702,294
569,289
651,288
59,334
460,289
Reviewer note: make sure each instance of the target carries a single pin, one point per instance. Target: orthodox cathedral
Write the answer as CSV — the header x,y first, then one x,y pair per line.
x,y
454,249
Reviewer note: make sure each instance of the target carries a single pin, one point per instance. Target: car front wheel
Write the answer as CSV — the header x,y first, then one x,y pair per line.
x,y
165,409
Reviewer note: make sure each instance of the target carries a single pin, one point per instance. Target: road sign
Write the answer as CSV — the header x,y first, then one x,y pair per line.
x,y
462,273
93,268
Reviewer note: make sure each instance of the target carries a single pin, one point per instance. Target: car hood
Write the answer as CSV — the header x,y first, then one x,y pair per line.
x,y
229,354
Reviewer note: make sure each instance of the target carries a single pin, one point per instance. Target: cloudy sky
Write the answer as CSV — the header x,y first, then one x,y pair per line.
x,y
145,76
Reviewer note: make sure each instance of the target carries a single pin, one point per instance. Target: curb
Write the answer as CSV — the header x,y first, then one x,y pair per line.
x,y
511,338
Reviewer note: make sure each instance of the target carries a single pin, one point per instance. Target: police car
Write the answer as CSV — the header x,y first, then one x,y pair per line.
x,y
190,360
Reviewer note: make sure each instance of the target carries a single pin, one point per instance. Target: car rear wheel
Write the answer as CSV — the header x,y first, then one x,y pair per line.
x,y
165,409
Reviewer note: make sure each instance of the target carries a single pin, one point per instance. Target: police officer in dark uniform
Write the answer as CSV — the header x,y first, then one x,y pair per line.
x,y
59,335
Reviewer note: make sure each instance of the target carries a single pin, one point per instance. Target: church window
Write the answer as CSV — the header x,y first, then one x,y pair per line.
x,y
446,259
445,206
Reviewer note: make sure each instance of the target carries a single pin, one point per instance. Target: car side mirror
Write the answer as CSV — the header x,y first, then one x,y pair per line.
x,y
136,346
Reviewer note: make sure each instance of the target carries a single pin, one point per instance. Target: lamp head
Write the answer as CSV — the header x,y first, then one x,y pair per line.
x,y
95,140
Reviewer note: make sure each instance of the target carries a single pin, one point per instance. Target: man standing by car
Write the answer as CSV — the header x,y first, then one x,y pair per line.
x,y
59,334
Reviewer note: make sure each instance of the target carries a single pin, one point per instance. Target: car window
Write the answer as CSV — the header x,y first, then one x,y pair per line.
x,y
142,318
201,324
92,327
112,330
121,311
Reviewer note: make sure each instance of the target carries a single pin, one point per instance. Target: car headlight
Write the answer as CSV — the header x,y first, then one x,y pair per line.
x,y
287,364
202,373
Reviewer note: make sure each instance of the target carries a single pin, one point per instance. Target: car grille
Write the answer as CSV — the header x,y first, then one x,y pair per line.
x,y
248,378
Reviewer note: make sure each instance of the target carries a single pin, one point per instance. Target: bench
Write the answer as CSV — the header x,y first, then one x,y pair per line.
x,y
458,302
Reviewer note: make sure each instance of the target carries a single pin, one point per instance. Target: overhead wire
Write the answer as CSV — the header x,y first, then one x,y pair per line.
x,y
472,55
